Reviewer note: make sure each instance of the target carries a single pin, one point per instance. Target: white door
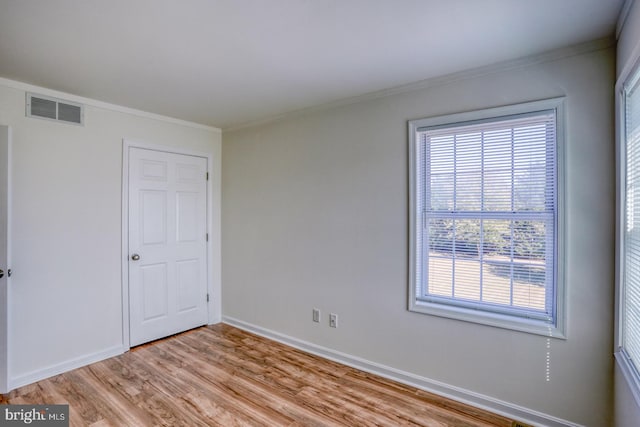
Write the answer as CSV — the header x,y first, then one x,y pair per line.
x,y
167,244
4,257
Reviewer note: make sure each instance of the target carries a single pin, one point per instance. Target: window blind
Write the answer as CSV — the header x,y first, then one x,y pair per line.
x,y
487,192
631,284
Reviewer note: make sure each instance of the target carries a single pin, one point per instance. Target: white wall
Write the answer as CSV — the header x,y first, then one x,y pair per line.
x,y
626,408
315,215
66,304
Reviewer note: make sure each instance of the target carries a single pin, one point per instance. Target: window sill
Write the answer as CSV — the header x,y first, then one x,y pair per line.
x,y
497,320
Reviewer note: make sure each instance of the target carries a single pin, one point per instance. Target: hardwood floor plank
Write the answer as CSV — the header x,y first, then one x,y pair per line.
x,y
222,376
407,403
221,383
271,394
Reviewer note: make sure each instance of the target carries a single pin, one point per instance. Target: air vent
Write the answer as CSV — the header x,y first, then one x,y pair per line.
x,y
46,107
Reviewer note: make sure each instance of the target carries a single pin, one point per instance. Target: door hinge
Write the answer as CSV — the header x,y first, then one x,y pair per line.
x,y
207,176
206,236
207,297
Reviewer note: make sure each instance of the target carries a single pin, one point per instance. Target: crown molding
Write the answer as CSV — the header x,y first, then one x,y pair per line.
x,y
553,55
103,105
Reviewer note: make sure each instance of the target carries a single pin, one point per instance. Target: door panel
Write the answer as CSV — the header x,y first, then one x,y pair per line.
x,y
187,274
167,230
187,211
153,170
153,216
155,292
187,173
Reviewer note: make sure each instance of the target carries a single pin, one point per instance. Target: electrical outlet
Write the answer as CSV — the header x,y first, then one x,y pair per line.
x,y
333,320
316,315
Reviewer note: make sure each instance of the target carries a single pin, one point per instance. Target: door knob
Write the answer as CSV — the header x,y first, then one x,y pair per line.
x,y
134,257
1,274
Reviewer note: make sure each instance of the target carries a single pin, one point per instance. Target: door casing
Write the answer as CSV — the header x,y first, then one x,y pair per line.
x,y
5,256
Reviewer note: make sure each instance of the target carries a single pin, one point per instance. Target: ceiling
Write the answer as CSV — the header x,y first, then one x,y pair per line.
x,y
225,63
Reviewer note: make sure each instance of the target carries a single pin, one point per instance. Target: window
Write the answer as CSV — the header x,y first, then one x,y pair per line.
x,y
628,342
485,224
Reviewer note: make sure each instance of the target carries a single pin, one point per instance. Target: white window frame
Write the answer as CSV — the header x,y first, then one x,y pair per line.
x,y
628,75
555,327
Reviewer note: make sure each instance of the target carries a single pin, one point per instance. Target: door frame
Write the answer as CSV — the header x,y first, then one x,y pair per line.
x,y
5,288
213,256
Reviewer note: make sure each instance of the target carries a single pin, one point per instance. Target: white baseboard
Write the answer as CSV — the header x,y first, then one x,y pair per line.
x,y
41,374
477,400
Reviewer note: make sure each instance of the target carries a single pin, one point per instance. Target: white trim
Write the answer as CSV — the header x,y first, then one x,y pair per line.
x,y
480,316
622,17
214,280
214,225
124,255
619,229
553,55
78,362
458,394
5,334
9,258
103,105
629,70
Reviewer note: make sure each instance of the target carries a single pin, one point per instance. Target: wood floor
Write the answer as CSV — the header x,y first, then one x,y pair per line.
x,y
222,376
